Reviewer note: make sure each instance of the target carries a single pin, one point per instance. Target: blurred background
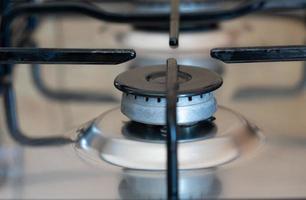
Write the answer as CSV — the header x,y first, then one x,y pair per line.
x,y
40,114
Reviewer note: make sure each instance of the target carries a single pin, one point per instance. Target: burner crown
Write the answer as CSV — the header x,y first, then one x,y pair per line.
x,y
144,94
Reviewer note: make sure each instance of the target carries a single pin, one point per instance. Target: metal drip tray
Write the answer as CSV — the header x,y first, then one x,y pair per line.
x,y
113,138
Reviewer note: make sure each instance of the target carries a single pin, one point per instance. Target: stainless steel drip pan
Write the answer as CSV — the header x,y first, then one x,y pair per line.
x,y
115,139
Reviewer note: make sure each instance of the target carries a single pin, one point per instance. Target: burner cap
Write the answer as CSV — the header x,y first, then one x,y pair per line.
x,y
144,91
150,81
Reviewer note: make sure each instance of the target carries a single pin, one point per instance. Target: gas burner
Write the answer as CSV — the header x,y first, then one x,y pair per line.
x,y
134,136
144,94
114,138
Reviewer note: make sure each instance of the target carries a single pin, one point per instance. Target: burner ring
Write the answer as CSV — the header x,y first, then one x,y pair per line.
x,y
152,110
150,81
106,139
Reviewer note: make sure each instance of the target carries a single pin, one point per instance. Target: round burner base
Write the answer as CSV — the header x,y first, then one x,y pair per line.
x,y
109,139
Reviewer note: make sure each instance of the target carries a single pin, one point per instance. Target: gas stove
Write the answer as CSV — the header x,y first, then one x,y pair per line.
x,y
170,137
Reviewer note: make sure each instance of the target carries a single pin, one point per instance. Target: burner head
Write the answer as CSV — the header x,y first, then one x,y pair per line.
x,y
151,81
144,94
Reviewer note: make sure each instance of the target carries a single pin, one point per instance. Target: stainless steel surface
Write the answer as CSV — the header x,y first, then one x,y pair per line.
x,y
196,42
195,184
276,170
150,110
109,138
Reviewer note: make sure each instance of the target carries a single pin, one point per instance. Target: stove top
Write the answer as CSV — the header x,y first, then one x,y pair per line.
x,y
171,132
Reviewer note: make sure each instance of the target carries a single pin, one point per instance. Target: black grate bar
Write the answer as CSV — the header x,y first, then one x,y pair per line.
x,y
260,54
13,124
10,56
172,157
65,56
174,23
133,18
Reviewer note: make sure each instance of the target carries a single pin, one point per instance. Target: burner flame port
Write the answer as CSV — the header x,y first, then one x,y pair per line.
x,y
144,94
152,110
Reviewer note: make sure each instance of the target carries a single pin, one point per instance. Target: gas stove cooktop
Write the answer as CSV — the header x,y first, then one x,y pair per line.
x,y
170,138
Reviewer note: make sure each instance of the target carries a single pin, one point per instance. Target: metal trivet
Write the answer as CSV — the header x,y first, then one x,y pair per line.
x,y
144,94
